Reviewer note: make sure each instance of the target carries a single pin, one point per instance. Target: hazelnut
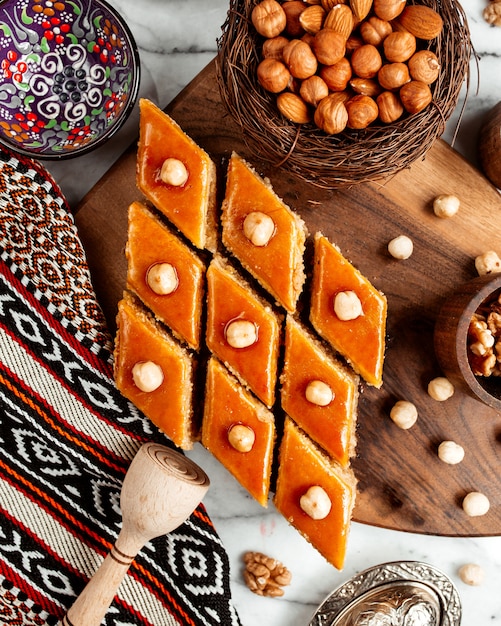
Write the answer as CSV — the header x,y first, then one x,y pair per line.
x,y
162,278
273,47
366,87
399,47
293,10
313,89
331,114
404,414
319,393
347,306
300,59
336,76
272,75
440,389
388,9
476,504
268,18
375,30
366,61
393,75
352,43
424,66
415,96
487,263
362,111
450,452
401,247
390,107
446,205
471,574
173,172
258,228
241,437
147,376
316,503
293,107
241,333
329,46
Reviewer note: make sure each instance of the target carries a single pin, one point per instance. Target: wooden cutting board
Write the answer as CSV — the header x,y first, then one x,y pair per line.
x,y
402,483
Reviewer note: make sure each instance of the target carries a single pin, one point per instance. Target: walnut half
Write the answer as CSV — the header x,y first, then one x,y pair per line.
x,y
264,575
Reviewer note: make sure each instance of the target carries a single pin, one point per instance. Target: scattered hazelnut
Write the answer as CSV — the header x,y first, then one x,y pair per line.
x,y
404,414
450,452
258,228
471,574
240,333
315,503
445,205
319,393
440,388
487,263
173,172
241,437
147,376
162,278
347,306
401,247
475,504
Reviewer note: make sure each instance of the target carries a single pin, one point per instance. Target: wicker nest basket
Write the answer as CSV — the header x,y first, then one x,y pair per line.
x,y
351,157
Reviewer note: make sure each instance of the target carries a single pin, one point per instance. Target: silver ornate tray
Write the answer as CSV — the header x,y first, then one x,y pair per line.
x,y
401,593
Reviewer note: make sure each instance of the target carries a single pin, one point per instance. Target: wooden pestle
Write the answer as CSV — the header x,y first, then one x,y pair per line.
x,y
160,491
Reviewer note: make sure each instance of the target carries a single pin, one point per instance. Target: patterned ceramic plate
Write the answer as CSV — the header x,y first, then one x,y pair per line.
x,y
69,75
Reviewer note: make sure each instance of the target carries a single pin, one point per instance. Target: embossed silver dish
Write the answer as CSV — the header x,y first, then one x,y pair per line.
x,y
401,593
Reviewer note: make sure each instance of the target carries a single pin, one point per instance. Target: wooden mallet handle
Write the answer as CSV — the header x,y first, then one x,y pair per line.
x,y
160,491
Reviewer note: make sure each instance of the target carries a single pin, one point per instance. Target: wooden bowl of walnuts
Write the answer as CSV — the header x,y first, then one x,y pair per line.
x,y
342,91
467,338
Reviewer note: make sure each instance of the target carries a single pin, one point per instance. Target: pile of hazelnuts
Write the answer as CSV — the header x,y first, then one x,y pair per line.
x,y
347,63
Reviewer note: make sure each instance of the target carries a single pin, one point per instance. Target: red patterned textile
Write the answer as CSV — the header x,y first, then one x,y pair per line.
x,y
67,437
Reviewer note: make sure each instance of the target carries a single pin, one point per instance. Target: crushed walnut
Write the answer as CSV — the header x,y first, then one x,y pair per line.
x,y
492,13
484,339
264,575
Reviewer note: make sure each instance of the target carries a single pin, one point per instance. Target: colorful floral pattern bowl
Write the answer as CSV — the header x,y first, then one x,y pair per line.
x,y
69,76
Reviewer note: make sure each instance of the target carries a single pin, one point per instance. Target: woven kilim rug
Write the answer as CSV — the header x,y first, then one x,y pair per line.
x,y
67,437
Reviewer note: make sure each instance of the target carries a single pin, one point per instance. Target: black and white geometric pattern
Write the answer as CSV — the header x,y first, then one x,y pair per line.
x,y
67,437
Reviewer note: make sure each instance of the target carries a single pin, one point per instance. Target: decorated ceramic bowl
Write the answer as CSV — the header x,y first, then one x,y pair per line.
x,y
69,76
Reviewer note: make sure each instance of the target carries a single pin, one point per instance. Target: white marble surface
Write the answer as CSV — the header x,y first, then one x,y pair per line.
x,y
177,38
